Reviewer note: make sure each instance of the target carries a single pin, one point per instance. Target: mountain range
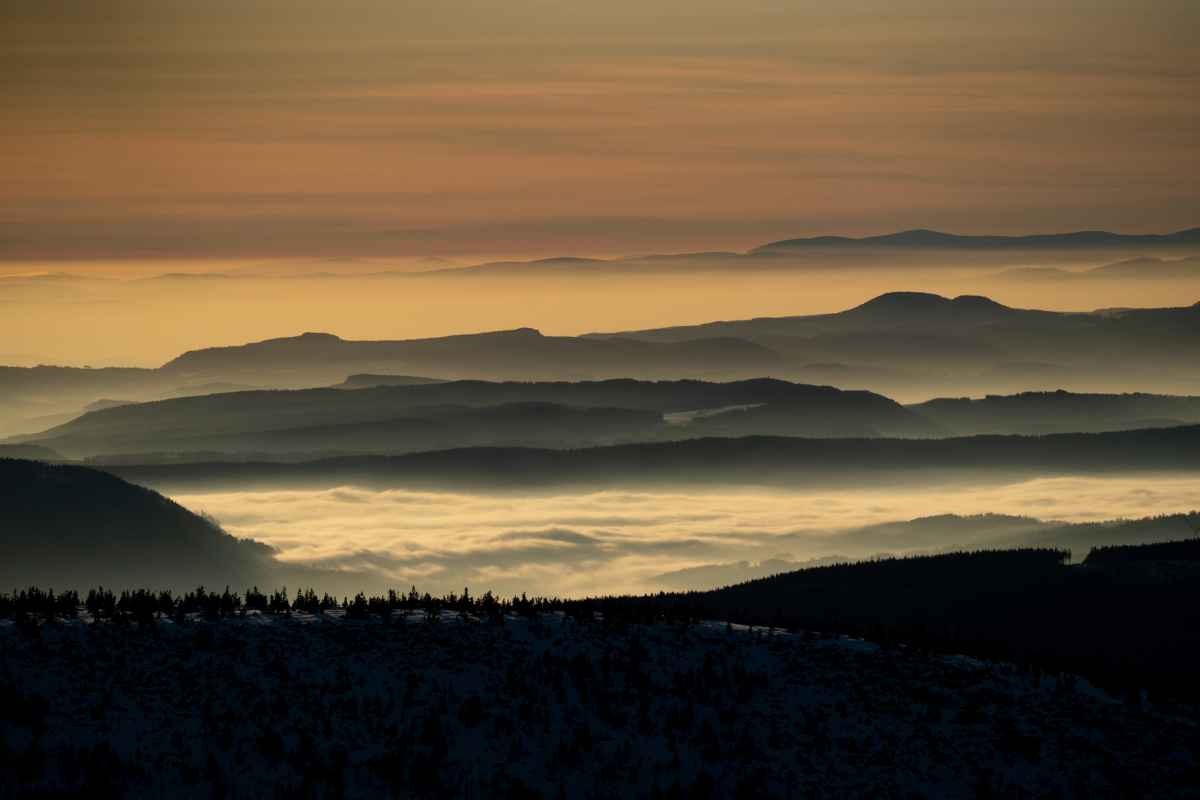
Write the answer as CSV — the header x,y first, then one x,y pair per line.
x,y
430,416
410,417
904,344
910,330
798,252
783,462
924,238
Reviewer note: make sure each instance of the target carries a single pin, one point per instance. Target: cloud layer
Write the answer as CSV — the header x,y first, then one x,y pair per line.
x,y
620,541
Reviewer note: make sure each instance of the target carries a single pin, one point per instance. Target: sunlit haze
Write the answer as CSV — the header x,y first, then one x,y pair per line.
x,y
601,542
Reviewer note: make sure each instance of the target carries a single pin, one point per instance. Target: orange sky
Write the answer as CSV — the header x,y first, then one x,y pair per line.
x,y
480,128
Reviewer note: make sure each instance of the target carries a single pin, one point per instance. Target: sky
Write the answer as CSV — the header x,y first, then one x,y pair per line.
x,y
472,129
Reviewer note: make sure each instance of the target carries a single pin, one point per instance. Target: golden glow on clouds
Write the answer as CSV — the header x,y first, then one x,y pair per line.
x,y
615,541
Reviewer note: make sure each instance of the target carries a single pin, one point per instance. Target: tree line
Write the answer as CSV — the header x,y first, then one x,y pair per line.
x,y
34,604
1113,619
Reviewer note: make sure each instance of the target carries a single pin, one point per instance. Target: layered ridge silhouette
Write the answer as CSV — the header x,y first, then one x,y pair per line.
x,y
461,413
411,417
745,461
901,342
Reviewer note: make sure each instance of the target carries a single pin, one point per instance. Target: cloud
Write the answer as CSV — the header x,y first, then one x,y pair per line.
x,y
599,542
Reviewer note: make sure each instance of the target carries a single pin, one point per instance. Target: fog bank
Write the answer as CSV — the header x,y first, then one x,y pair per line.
x,y
620,541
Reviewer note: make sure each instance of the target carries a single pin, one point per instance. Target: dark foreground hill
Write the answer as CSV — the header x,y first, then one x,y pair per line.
x,y
1123,626
528,705
71,527
938,534
755,460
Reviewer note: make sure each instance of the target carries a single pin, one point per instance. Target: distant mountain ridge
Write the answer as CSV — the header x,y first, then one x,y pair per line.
x,y
426,416
407,417
793,463
1056,412
917,239
894,344
517,352
925,238
1141,268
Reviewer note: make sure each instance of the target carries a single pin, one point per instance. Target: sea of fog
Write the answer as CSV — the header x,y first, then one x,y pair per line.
x,y
619,541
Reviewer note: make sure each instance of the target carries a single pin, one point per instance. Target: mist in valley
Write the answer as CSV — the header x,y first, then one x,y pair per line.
x,y
609,542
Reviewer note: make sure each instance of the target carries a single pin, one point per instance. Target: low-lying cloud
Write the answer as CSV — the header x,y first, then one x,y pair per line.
x,y
616,541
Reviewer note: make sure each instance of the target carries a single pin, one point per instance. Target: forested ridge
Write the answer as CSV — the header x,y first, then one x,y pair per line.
x,y
1126,629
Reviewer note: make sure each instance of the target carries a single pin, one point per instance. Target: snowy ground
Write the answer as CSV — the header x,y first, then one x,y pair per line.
x,y
325,706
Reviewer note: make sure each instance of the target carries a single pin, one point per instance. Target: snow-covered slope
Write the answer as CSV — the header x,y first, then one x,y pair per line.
x,y
543,706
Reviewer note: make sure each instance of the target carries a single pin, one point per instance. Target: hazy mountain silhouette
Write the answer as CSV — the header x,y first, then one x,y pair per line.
x,y
921,238
928,244
893,310
746,461
936,342
461,413
1141,268
917,333
537,266
416,429
1149,268
41,396
106,402
900,342
1055,412
865,415
367,380
438,415
32,451
955,532
33,398
523,352
906,309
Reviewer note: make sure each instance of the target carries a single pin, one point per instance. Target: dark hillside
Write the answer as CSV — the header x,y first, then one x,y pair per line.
x,y
1122,628
73,527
